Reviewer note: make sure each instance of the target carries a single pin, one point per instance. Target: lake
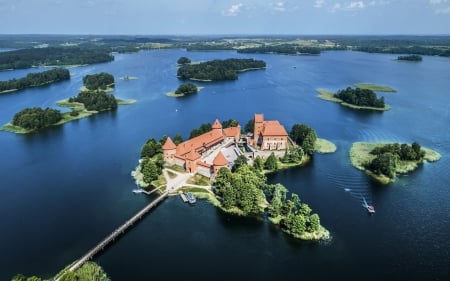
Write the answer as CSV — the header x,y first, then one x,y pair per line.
x,y
63,189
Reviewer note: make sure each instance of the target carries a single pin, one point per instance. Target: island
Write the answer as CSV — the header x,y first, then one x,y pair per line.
x,y
228,169
413,58
383,161
53,56
35,80
217,70
86,103
184,89
183,60
355,98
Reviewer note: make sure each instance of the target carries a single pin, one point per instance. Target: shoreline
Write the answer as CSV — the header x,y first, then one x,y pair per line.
x,y
328,96
360,154
375,87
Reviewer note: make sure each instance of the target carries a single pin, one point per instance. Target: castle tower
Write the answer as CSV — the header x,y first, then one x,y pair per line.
x,y
258,127
219,162
169,150
217,125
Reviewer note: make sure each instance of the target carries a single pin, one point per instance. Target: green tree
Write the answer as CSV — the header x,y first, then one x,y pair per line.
x,y
177,139
249,126
314,223
151,148
183,60
275,207
150,170
271,162
240,160
229,123
98,81
305,137
258,163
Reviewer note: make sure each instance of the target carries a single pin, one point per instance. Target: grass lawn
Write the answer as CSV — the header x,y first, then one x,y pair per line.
x,y
375,87
199,180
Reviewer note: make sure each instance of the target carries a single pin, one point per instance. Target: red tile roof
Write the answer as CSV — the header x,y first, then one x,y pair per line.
x,y
207,139
220,160
192,155
273,128
168,145
216,125
232,131
259,117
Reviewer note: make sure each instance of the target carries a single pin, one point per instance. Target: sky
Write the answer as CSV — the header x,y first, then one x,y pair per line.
x,y
207,17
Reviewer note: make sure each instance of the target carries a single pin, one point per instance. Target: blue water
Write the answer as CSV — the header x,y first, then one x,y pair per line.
x,y
64,189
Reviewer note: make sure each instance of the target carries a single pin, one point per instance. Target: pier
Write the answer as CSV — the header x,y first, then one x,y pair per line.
x,y
121,229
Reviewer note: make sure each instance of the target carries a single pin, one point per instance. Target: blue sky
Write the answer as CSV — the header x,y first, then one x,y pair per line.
x,y
180,17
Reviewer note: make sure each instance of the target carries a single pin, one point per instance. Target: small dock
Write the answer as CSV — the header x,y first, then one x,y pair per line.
x,y
183,197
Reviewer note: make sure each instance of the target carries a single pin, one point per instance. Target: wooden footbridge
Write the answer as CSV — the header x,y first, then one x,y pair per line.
x,y
111,237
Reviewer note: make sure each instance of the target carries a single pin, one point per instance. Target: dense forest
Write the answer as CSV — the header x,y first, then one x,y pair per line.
x,y
98,81
245,192
360,97
186,89
36,118
96,100
388,157
288,49
152,159
410,58
218,69
26,58
35,79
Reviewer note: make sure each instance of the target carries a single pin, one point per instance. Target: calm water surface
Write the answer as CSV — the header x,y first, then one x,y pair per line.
x,y
64,189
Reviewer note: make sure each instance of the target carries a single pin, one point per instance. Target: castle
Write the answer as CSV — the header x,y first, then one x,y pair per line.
x,y
207,153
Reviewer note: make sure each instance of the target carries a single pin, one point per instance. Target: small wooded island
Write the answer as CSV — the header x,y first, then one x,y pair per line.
x,y
34,80
414,58
355,98
185,89
217,70
232,175
88,102
383,161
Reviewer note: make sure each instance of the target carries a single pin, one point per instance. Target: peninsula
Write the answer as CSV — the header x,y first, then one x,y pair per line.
x,y
34,80
217,70
383,161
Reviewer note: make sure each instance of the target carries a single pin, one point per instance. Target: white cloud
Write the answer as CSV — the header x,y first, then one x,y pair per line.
x,y
349,6
443,11
319,3
279,6
434,2
234,10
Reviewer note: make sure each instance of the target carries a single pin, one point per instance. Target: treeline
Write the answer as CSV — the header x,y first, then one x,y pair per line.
x,y
98,81
388,157
152,159
96,100
209,46
420,50
36,118
218,69
305,137
410,58
360,97
288,49
26,58
35,79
